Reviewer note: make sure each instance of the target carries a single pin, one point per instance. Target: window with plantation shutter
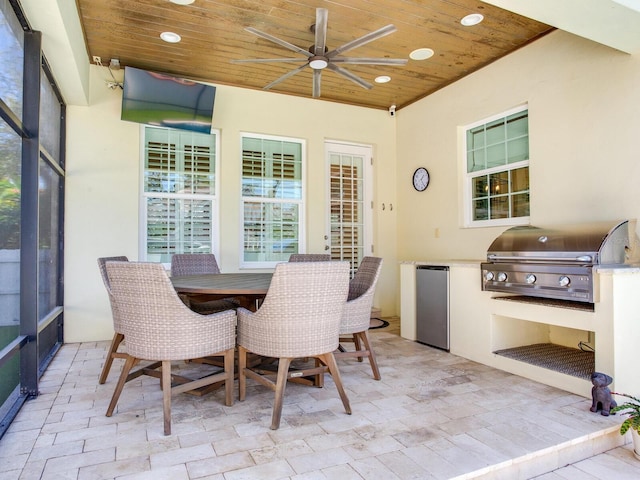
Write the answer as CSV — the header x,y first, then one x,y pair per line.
x,y
272,199
179,193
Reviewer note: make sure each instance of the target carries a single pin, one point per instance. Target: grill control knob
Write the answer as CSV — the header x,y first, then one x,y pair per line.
x,y
502,277
488,276
564,281
530,279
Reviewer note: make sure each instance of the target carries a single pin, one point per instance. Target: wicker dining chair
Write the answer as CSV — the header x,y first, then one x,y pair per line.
x,y
118,336
200,264
356,316
158,326
299,318
310,257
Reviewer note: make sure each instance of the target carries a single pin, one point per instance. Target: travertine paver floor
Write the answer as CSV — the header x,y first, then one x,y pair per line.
x,y
432,416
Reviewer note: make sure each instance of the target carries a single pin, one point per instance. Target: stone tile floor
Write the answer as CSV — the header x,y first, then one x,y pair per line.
x,y
432,416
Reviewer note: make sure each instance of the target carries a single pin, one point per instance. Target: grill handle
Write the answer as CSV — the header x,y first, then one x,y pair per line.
x,y
579,259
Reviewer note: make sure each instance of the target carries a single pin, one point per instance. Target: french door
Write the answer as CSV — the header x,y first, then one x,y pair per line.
x,y
349,221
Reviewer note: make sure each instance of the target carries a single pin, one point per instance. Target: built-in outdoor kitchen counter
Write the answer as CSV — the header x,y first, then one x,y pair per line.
x,y
483,323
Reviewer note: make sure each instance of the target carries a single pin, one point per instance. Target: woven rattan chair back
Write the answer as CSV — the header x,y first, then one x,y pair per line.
x,y
193,264
300,315
310,257
102,262
118,336
356,316
156,323
158,326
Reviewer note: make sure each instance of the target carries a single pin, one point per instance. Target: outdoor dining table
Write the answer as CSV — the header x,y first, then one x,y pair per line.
x,y
246,286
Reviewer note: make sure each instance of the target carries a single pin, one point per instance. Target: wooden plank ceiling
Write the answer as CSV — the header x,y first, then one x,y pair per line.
x,y
213,33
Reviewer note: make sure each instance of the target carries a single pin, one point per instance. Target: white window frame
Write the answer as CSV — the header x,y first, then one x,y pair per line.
x,y
246,199
468,176
214,198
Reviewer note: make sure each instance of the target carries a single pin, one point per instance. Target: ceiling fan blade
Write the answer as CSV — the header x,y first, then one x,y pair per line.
x,y
282,43
267,60
370,61
351,76
369,37
317,75
285,76
322,15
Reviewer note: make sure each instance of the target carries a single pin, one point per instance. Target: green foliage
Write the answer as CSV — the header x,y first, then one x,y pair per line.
x,y
631,408
9,214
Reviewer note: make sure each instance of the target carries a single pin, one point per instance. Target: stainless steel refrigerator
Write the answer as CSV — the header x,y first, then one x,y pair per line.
x,y
432,308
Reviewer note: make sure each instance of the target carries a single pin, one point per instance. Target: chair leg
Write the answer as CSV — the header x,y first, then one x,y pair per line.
x,y
129,363
330,361
357,345
229,360
242,379
372,356
281,383
113,348
166,395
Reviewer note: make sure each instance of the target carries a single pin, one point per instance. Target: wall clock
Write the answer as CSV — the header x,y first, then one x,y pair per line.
x,y
421,179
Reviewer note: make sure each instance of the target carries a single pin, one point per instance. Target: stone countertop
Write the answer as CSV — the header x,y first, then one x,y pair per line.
x,y
631,268
445,263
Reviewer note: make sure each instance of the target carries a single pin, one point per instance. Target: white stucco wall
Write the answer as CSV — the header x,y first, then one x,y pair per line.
x,y
584,121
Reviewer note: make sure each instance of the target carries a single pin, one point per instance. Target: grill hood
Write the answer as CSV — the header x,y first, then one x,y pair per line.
x,y
601,243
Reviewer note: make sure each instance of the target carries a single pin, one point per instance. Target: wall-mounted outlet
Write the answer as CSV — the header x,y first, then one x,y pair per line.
x,y
97,60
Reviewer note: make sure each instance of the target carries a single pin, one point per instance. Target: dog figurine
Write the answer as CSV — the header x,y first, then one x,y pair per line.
x,y
600,393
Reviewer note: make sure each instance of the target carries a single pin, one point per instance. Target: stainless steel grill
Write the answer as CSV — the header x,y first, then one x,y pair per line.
x,y
554,262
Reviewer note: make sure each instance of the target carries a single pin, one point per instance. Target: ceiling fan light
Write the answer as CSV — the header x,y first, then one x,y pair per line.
x,y
421,54
182,2
170,37
383,79
318,63
472,19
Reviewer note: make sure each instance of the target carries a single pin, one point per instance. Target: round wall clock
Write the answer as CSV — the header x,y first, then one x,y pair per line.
x,y
421,179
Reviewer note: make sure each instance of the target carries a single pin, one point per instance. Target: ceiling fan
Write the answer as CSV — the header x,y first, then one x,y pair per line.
x,y
318,56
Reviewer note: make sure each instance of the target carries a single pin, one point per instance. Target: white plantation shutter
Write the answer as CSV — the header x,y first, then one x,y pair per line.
x,y
347,205
179,193
272,198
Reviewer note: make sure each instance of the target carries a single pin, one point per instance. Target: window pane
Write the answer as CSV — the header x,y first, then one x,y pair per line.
x,y
480,186
10,153
178,226
50,114
520,179
518,150
12,61
495,132
517,125
496,155
270,231
481,209
520,205
476,160
499,207
48,238
499,183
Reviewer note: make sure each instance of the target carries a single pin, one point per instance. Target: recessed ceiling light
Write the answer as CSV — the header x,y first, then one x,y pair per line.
x,y
182,2
383,79
421,54
170,37
472,19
